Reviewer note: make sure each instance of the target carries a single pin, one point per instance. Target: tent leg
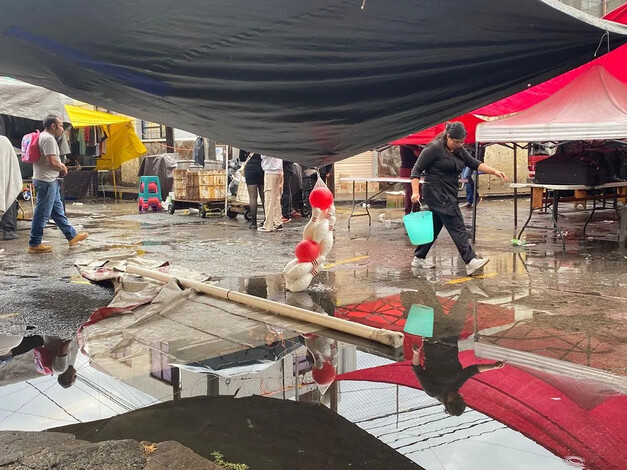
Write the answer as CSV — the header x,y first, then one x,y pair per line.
x,y
115,188
475,174
515,189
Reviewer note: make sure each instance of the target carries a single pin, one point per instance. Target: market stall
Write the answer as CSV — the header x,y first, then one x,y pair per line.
x,y
109,139
591,107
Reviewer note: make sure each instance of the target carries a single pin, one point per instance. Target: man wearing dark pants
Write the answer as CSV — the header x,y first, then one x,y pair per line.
x,y
286,197
9,222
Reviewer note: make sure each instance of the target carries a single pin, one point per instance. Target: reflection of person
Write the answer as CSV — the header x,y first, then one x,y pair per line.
x,y
436,362
409,156
10,187
15,344
324,352
46,170
442,161
253,174
52,354
273,188
57,356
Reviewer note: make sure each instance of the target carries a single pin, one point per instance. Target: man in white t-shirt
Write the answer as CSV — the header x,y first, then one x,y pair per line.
x,y
46,170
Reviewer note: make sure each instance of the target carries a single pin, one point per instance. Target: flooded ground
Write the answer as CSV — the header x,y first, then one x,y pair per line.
x,y
555,317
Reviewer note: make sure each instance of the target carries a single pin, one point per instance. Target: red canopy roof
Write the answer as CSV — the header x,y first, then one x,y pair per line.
x,y
424,137
593,106
619,15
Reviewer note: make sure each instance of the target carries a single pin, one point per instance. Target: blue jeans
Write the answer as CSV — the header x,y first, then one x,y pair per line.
x,y
470,184
49,205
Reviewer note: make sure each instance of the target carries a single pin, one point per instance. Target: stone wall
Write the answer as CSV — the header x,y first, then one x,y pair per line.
x,y
502,158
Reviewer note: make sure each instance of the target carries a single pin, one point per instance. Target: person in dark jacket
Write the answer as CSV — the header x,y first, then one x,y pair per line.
x,y
436,362
442,162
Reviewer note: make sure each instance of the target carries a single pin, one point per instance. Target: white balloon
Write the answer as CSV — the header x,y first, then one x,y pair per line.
x,y
300,269
332,221
321,230
326,244
290,265
303,282
308,231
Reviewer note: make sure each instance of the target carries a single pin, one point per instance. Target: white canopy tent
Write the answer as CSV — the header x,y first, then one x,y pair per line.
x,y
591,107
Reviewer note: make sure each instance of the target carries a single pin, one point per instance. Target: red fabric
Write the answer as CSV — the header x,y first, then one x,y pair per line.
x,y
106,312
534,408
43,360
424,137
389,313
619,15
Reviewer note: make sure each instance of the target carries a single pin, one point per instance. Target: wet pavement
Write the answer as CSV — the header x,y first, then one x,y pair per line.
x,y
557,317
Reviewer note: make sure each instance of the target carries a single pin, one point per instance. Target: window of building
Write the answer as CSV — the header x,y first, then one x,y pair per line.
x,y
152,131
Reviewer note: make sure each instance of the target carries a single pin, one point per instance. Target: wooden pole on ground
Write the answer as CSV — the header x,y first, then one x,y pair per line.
x,y
390,338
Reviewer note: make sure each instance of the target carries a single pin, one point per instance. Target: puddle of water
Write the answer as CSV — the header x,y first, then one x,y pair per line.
x,y
481,376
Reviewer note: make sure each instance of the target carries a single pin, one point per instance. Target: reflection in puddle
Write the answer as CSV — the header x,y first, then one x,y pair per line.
x,y
445,396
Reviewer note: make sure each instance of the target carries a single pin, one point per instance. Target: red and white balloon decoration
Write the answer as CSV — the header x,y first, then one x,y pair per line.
x,y
317,241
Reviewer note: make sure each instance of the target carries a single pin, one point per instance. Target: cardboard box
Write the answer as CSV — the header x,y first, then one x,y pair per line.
x,y
395,199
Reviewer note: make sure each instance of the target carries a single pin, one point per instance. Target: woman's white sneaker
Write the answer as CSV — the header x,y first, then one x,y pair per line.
x,y
475,264
421,263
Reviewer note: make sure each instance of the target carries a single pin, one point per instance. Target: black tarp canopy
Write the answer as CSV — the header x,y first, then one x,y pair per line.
x,y
310,81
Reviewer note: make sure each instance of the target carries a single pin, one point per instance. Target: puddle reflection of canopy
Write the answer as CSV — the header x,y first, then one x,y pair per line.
x,y
390,313
551,415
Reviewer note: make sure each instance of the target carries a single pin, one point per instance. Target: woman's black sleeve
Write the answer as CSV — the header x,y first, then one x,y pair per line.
x,y
425,160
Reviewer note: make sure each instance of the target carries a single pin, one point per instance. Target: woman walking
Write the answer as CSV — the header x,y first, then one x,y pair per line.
x,y
442,161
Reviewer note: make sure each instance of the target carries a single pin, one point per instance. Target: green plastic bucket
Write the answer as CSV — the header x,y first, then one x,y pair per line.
x,y
419,226
419,321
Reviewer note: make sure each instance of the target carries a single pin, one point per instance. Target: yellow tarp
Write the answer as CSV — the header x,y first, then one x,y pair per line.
x,y
122,144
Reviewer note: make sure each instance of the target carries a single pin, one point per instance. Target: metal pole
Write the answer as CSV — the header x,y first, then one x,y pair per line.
x,y
515,189
169,139
474,197
226,181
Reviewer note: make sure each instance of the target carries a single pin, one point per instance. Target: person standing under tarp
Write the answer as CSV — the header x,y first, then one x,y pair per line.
x,y
442,161
10,187
469,184
272,188
286,196
409,156
253,174
46,170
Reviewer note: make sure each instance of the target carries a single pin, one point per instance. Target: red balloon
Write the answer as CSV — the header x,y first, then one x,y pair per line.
x,y
325,375
307,251
321,197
